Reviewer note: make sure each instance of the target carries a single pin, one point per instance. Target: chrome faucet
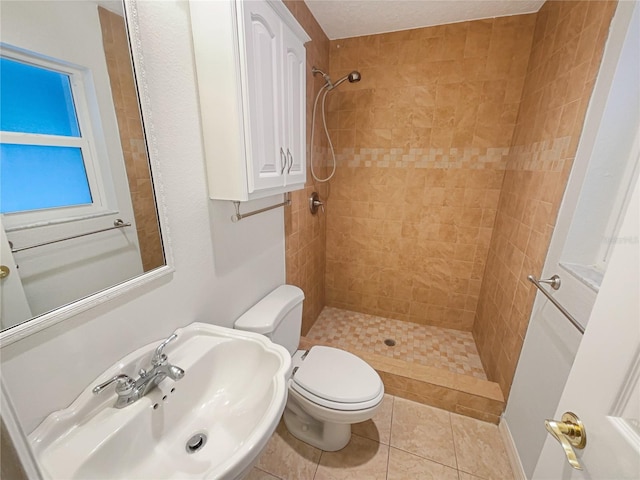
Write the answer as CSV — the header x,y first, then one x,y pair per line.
x,y
130,390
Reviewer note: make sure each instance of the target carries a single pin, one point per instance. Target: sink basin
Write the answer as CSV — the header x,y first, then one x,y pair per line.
x,y
212,423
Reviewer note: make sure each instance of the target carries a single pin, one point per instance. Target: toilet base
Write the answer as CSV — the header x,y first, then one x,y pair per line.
x,y
327,436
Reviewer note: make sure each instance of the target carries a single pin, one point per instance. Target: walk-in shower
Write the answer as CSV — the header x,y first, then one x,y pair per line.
x,y
353,77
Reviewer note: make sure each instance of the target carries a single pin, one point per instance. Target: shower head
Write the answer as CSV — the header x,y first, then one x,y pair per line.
x,y
353,77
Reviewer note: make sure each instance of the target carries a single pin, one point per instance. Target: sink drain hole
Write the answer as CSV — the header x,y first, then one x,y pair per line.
x,y
196,442
390,342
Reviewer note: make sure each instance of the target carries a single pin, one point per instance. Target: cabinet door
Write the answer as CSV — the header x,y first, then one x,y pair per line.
x,y
267,161
294,91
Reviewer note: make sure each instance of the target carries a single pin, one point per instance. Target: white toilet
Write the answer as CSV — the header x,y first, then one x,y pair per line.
x,y
329,389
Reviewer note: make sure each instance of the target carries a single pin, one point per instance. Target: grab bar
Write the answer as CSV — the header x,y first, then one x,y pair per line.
x,y
553,281
118,223
239,216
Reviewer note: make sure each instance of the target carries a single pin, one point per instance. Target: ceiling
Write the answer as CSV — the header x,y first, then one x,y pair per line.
x,y
353,18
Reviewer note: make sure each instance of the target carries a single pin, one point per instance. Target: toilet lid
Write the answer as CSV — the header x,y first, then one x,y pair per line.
x,y
338,376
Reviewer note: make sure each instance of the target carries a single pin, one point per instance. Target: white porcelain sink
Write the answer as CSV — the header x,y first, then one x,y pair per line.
x,y
233,392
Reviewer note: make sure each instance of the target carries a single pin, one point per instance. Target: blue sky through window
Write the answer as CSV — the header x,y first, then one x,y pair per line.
x,y
37,101
35,177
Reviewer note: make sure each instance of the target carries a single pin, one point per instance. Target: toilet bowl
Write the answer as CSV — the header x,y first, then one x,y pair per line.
x,y
329,389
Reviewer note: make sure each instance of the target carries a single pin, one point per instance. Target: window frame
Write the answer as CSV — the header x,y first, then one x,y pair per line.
x,y
90,142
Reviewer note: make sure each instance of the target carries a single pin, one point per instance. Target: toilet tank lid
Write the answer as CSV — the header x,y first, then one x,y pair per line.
x,y
267,314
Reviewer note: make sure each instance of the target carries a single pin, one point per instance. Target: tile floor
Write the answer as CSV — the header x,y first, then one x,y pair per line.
x,y
445,348
404,441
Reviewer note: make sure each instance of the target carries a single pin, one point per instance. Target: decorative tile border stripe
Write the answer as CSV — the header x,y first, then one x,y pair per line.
x,y
545,156
548,155
471,158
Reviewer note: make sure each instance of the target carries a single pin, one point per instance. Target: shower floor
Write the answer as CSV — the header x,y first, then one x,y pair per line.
x,y
442,348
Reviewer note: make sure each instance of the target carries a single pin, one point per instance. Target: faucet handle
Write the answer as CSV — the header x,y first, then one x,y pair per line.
x,y
125,382
159,357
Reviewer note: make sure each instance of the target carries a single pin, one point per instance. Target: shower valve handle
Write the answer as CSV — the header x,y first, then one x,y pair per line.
x,y
315,203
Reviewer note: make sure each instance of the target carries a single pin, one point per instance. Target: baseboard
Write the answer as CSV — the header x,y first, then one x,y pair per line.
x,y
512,452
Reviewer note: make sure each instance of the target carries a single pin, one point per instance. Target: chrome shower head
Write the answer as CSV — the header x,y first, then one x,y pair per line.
x,y
353,77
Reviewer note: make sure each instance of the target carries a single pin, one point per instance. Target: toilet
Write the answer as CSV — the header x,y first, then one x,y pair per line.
x,y
329,389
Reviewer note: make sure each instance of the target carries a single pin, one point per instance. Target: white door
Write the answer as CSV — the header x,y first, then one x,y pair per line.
x,y
603,388
295,116
14,307
263,30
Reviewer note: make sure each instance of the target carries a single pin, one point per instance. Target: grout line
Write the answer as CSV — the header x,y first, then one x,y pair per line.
x,y
318,464
393,406
453,438
422,457
273,475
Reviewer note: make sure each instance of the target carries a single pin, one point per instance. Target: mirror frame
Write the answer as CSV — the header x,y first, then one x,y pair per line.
x,y
46,320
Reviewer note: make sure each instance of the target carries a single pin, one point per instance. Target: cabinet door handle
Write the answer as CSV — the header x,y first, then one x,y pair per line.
x,y
283,161
290,160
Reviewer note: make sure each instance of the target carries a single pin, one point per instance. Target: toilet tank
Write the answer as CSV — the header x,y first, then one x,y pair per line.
x,y
278,316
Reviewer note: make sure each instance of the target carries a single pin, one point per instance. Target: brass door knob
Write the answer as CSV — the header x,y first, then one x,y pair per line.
x,y
4,271
570,432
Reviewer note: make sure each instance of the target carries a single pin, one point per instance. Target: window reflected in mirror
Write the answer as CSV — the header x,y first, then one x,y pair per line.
x,y
77,203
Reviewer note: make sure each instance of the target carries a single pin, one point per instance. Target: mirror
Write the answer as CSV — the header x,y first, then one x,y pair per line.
x,y
78,211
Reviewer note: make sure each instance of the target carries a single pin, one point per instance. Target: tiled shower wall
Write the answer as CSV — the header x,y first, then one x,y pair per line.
x,y
125,99
305,243
567,48
421,143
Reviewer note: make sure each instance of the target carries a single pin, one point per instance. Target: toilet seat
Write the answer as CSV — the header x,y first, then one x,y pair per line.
x,y
337,380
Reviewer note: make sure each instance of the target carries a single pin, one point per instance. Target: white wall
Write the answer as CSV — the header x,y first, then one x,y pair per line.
x,y
58,274
551,343
222,268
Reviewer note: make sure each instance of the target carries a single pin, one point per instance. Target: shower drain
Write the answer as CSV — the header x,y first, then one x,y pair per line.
x,y
196,442
390,342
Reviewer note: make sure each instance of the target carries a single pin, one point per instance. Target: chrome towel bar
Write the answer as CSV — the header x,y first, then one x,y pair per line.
x,y
118,223
239,216
555,284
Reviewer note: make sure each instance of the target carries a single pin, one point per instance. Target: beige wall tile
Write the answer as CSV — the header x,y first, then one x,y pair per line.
x,y
568,37
423,142
125,99
438,117
305,235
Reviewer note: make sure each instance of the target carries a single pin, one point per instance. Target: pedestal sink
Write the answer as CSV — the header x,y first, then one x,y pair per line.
x,y
213,423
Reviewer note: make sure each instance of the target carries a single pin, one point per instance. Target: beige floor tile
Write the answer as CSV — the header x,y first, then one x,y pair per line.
x,y
289,458
361,459
466,476
422,430
379,427
479,449
257,474
405,466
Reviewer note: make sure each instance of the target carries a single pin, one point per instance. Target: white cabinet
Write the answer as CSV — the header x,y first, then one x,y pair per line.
x,y
250,62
